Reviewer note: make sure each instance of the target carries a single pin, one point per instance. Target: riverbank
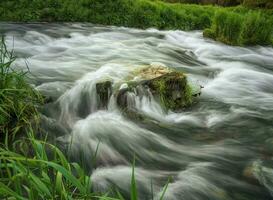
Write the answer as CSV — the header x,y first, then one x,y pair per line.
x,y
234,25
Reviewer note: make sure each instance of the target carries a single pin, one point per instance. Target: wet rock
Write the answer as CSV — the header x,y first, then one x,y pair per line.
x,y
104,92
169,87
48,100
249,174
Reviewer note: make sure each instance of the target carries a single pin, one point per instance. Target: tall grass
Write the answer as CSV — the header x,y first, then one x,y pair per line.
x,y
227,27
18,100
37,176
241,28
232,25
130,13
257,29
33,170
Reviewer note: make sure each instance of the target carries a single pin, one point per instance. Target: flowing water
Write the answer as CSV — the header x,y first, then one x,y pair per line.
x,y
220,149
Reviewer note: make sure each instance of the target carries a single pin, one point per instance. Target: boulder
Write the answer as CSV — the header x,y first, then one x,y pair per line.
x,y
169,87
104,92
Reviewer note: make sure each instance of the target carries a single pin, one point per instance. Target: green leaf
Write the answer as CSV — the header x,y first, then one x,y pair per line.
x,y
165,189
6,190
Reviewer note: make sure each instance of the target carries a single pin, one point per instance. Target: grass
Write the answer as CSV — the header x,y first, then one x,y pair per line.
x,y
241,28
37,176
18,100
34,169
130,13
235,23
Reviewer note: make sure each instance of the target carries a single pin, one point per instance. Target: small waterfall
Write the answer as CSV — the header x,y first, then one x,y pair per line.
x,y
83,99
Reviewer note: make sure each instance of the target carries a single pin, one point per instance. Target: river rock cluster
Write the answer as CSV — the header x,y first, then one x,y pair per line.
x,y
169,87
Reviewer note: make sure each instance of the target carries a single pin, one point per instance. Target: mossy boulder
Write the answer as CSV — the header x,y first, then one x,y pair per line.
x,y
172,90
167,86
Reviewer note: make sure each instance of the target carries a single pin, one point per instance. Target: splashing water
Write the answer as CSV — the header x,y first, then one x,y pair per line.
x,y
221,148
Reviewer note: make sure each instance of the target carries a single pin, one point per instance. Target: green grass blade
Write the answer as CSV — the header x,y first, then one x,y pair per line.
x,y
133,183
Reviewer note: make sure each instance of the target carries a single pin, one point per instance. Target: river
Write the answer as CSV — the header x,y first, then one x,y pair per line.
x,y
219,149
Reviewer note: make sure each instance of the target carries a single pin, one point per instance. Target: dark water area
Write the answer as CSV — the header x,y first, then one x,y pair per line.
x,y
220,149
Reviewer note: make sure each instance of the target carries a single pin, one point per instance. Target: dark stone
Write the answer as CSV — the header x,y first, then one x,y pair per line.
x,y
104,92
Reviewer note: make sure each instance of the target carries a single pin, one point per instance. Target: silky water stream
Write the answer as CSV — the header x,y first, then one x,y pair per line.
x,y
219,149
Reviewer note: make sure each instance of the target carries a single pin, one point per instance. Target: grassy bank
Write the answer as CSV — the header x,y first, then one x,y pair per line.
x,y
233,25
241,28
130,13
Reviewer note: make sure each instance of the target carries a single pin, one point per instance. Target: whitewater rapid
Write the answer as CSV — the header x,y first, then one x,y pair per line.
x,y
221,148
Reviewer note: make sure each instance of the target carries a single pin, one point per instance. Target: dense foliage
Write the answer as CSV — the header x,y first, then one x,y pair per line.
x,y
241,28
233,25
130,13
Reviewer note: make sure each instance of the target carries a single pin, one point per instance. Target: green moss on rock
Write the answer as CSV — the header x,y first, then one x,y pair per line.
x,y
172,89
169,87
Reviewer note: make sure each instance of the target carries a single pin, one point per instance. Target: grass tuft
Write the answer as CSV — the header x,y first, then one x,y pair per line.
x,y
241,28
18,100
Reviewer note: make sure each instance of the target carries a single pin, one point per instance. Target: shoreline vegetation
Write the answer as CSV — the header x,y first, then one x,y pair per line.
x,y
247,23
